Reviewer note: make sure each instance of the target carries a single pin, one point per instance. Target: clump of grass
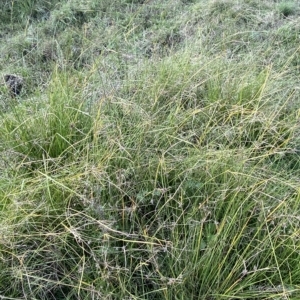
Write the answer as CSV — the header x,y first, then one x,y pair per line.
x,y
55,131
287,8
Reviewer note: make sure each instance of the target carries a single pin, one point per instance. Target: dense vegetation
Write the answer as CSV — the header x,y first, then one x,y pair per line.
x,y
153,152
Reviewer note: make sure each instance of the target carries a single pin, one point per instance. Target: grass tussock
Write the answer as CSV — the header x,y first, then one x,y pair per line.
x,y
159,161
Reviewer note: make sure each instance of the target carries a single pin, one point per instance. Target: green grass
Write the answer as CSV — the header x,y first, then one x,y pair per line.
x,y
287,8
153,152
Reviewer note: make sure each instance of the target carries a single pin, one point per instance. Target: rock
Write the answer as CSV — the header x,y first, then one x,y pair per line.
x,y
14,83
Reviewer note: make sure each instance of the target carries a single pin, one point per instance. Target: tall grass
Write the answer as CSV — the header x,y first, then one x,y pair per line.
x,y
174,178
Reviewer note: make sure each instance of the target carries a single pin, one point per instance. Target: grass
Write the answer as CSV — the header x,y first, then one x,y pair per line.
x,y
153,152
287,8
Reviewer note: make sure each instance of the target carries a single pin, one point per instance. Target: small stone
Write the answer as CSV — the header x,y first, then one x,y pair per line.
x,y
14,83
